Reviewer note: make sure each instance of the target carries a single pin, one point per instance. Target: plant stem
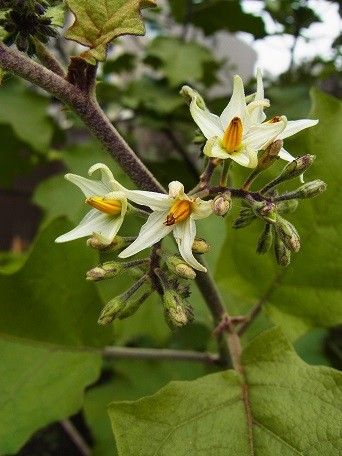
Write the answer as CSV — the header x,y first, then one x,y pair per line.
x,y
87,109
159,354
76,437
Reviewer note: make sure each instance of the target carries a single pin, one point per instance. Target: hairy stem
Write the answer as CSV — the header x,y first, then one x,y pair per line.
x,y
87,109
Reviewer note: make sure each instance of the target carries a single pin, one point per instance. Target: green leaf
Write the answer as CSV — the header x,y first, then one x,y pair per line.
x,y
181,61
307,294
48,299
57,14
283,407
26,112
99,23
39,384
131,380
214,15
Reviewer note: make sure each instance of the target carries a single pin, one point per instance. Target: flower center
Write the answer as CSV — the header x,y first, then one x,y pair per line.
x,y
106,205
179,212
232,137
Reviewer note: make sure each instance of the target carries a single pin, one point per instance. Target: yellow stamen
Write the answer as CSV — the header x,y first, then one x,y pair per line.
x,y
179,212
233,135
106,205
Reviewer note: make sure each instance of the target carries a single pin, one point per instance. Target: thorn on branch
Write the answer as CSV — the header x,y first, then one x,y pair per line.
x,y
82,75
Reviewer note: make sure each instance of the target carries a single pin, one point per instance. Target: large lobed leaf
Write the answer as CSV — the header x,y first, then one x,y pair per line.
x,y
294,409
307,294
98,23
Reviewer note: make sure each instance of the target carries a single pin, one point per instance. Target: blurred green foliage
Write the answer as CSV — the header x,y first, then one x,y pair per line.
x,y
50,341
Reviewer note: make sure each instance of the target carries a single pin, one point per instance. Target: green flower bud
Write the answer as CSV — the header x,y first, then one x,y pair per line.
x,y
106,270
177,312
111,310
188,93
118,243
310,189
288,234
179,267
265,240
287,207
200,246
297,167
282,253
222,204
133,305
263,209
245,218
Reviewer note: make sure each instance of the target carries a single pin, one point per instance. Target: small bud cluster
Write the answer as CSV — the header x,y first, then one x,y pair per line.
x,y
167,277
25,20
270,206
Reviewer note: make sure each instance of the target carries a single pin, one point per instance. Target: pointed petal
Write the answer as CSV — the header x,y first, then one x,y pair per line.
x,y
106,177
176,189
156,201
285,155
294,126
260,136
105,226
151,232
202,209
246,157
236,106
88,186
207,122
184,234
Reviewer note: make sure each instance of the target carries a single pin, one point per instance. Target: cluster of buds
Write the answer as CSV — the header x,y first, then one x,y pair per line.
x,y
167,276
25,21
271,206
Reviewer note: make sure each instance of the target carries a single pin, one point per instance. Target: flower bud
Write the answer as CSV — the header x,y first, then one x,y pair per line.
x,y
200,246
189,94
111,310
118,243
133,305
270,154
288,234
310,189
179,267
245,218
105,271
287,207
265,240
177,312
222,204
263,209
282,253
297,167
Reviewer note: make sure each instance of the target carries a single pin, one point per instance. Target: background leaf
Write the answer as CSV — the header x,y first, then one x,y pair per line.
x,y
39,384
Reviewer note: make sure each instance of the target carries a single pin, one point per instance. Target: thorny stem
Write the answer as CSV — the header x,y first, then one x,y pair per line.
x,y
95,119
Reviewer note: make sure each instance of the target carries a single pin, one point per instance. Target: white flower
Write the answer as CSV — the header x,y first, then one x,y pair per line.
x,y
239,132
107,197
292,126
174,212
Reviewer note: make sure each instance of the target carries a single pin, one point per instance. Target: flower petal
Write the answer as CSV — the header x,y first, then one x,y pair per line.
x,y
236,106
184,234
105,226
150,233
156,201
246,157
176,189
106,177
201,209
294,126
260,136
256,108
208,122
213,148
88,186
